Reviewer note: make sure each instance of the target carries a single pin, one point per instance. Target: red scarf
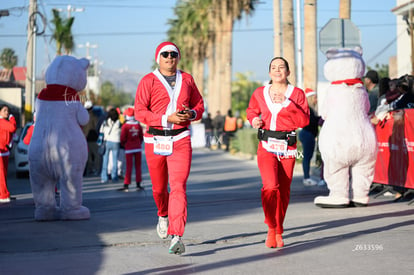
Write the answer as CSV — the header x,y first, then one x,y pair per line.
x,y
56,92
349,82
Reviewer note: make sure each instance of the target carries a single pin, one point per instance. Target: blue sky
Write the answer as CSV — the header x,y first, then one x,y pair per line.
x,y
128,31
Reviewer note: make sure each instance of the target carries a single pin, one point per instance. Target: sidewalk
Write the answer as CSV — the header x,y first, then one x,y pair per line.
x,y
225,232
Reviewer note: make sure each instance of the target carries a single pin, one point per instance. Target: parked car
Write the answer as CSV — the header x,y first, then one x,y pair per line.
x,y
21,159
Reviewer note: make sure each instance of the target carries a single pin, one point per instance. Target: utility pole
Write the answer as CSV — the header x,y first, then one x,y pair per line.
x,y
88,46
277,34
30,85
70,9
411,29
299,68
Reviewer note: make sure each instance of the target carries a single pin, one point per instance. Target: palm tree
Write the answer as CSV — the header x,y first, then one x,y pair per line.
x,y
8,59
204,28
190,32
224,13
63,33
345,9
310,62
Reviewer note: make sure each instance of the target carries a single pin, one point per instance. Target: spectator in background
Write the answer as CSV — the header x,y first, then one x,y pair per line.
x,y
393,93
131,140
91,133
307,137
371,80
7,129
230,127
111,129
209,129
29,132
218,124
383,88
406,99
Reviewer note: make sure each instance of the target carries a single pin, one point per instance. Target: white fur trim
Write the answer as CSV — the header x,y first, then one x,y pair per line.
x,y
174,138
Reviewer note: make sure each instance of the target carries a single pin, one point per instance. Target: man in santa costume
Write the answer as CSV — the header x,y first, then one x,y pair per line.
x,y
167,100
131,140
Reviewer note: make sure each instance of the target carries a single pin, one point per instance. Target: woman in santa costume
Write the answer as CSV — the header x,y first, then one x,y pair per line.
x,y
277,110
167,100
131,140
7,128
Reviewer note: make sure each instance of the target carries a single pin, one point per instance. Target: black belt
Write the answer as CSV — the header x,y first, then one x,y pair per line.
x,y
166,133
263,134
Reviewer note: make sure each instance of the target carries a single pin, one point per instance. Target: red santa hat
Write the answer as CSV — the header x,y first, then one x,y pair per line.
x,y
309,92
129,114
166,47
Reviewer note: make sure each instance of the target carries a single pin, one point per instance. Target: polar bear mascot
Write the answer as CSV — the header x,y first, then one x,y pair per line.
x,y
58,150
347,140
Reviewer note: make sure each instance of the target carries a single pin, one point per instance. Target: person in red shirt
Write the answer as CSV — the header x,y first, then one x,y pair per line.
x,y
167,100
131,140
277,110
7,128
29,132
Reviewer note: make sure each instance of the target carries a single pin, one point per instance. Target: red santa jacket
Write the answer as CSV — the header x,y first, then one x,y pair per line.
x,y
287,116
155,100
131,137
7,128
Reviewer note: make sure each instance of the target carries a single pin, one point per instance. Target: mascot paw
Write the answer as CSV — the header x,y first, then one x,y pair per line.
x,y
360,202
331,202
81,213
46,214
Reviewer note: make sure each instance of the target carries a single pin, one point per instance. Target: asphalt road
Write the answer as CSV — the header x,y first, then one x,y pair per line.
x,y
225,232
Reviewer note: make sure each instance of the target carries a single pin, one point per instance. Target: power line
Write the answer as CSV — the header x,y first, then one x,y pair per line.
x,y
385,48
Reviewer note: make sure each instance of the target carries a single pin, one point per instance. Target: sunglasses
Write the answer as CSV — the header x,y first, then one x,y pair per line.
x,y
172,54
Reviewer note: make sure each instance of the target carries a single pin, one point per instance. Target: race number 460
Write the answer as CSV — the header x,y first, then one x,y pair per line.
x,y
163,146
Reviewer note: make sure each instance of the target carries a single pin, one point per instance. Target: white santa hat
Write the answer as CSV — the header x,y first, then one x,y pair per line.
x,y
166,47
309,92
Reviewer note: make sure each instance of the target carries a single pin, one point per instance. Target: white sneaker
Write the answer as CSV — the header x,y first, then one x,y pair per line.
x,y
6,200
331,202
309,182
162,227
322,183
177,246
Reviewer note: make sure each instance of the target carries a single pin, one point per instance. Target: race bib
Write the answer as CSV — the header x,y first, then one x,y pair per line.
x,y
277,146
163,145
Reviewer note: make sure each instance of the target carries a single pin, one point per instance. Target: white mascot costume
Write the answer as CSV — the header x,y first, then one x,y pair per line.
x,y
347,140
58,150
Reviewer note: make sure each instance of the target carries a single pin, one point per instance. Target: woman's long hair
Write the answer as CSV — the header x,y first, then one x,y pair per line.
x,y
113,114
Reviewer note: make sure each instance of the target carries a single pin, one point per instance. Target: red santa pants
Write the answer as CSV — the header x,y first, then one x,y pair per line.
x,y
175,168
131,158
276,176
4,163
